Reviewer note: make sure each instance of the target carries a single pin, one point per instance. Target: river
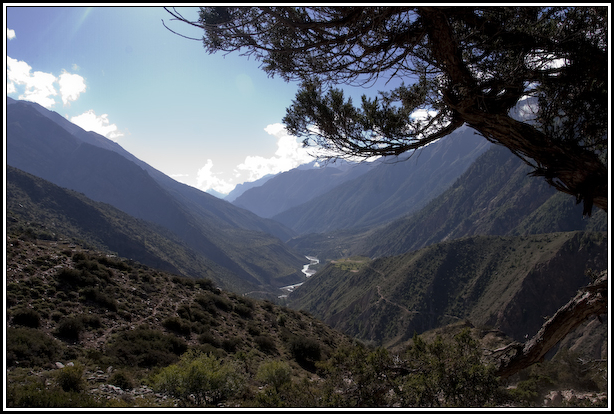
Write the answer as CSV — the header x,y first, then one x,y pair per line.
x,y
306,271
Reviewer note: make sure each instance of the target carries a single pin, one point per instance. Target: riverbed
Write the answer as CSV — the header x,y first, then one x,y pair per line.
x,y
306,271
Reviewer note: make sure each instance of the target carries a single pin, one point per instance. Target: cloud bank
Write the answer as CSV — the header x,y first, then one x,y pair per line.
x,y
99,124
289,154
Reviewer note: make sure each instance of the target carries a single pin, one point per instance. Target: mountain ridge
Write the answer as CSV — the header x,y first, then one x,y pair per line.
x,y
230,236
391,189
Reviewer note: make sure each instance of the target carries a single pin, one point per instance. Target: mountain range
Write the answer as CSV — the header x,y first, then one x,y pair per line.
x,y
444,232
42,143
366,194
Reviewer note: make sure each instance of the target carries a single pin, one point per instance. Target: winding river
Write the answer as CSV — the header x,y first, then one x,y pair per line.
x,y
306,271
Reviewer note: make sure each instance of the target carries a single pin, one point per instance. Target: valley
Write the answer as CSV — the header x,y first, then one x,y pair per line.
x,y
102,249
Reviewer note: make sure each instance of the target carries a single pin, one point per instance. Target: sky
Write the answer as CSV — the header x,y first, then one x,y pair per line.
x,y
208,120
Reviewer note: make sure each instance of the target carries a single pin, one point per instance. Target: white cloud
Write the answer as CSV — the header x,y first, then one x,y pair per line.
x,y
71,86
99,124
206,179
290,154
38,86
10,34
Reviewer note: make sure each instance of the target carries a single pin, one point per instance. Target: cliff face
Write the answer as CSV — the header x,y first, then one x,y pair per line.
x,y
550,284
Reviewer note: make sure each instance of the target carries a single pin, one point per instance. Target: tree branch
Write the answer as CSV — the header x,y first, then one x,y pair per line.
x,y
590,300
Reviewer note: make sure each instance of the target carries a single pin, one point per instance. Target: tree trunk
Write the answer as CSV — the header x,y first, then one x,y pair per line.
x,y
565,165
590,300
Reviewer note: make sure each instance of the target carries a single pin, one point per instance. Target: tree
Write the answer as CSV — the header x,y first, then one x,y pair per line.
x,y
466,65
534,79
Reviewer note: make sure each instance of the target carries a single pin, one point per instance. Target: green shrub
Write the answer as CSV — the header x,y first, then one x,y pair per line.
x,y
32,393
101,298
203,377
265,343
70,328
206,284
274,373
69,276
243,310
30,347
253,329
70,378
306,351
26,317
145,347
209,338
231,344
448,373
122,380
177,325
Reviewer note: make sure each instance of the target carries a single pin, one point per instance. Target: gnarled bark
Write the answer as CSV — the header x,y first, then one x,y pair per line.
x,y
590,300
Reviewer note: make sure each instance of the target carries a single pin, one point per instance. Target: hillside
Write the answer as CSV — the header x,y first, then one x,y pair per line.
x,y
509,283
494,196
52,210
121,321
391,188
235,239
87,329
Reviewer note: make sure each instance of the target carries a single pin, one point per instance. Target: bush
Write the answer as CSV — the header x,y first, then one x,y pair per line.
x,y
231,344
206,284
306,351
209,338
274,373
122,380
145,347
177,325
265,343
70,378
32,393
30,347
448,373
101,298
70,328
26,317
203,377
243,310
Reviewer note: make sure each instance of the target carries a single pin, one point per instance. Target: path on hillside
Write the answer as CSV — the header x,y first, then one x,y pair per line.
x,y
151,313
382,297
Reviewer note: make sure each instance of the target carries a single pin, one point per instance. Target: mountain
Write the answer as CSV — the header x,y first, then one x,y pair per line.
x,y
243,187
494,196
297,186
200,202
509,283
389,190
233,238
49,212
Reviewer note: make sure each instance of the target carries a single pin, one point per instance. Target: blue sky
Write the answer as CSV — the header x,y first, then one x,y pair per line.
x,y
210,121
